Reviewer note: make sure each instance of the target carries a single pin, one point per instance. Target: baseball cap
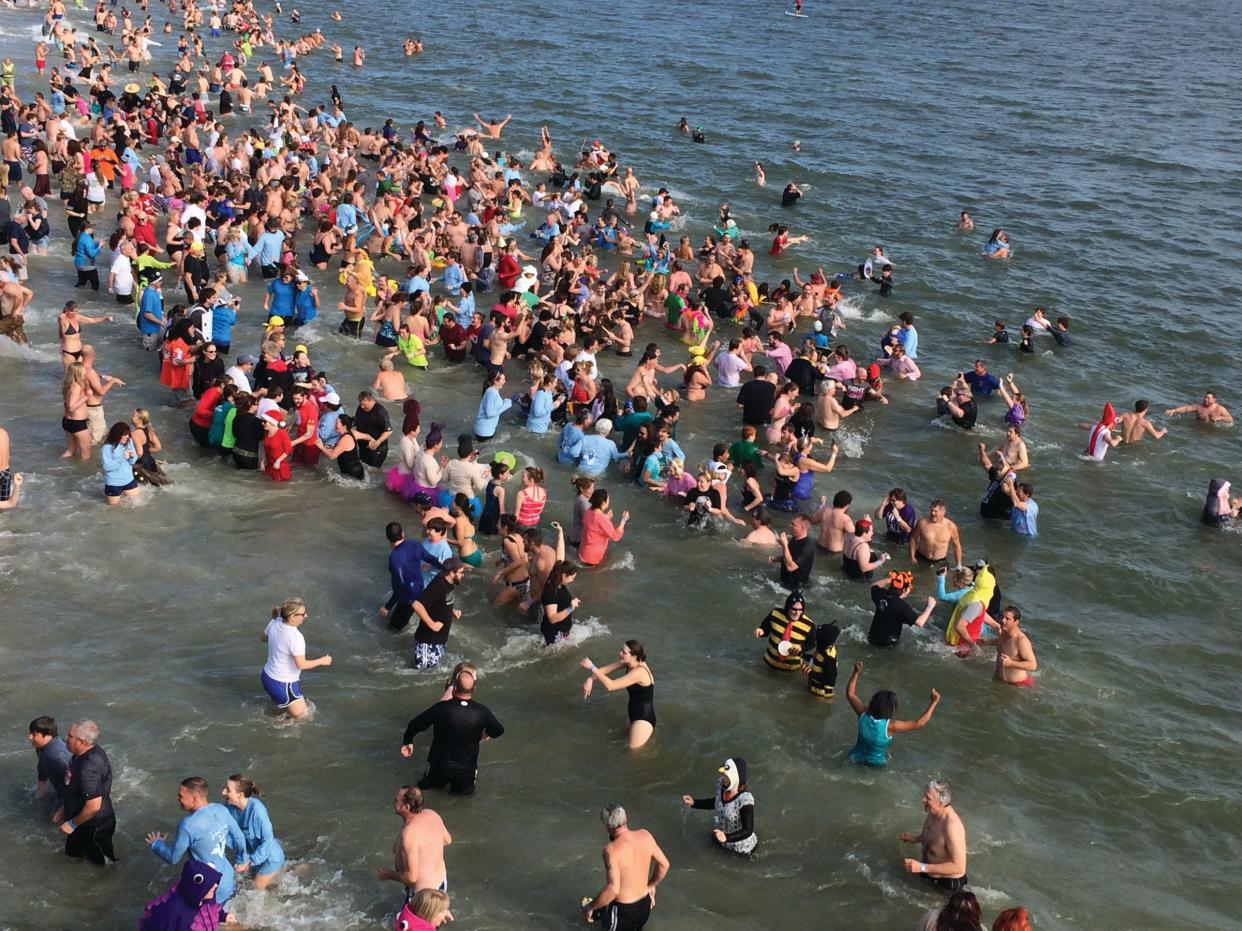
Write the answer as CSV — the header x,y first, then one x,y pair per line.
x,y
247,359
332,398
452,565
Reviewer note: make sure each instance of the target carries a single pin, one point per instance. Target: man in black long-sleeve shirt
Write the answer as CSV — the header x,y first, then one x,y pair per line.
x,y
459,724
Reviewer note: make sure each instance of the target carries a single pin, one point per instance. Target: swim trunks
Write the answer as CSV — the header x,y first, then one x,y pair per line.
x,y
1027,683
624,916
948,885
98,426
927,560
6,484
428,655
115,491
73,426
282,694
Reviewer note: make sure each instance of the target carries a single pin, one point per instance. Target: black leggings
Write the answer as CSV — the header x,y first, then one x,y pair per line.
x,y
88,276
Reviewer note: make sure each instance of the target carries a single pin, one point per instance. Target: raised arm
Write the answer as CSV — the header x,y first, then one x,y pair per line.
x,y
901,727
851,690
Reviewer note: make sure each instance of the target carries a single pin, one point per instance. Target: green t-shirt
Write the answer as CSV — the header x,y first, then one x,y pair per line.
x,y
745,451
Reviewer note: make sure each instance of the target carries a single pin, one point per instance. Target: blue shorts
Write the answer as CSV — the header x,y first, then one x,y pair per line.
x,y
282,694
271,866
115,491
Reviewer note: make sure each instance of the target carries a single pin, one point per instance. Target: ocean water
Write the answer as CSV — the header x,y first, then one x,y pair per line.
x,y
1104,140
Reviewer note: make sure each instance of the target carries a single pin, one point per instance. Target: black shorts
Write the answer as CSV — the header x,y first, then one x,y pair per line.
x,y
927,560
93,840
73,426
624,916
947,885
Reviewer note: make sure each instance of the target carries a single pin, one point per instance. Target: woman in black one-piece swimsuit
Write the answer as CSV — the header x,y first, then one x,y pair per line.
x,y
637,681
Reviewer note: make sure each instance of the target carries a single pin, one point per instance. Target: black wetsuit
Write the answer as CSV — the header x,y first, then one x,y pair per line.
x,y
457,727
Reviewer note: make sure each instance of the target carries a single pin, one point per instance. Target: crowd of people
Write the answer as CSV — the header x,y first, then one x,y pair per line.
x,y
194,180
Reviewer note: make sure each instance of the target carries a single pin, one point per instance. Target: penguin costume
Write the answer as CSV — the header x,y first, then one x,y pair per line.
x,y
734,807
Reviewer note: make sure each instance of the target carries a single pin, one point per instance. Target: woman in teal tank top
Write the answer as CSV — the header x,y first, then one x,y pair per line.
x,y
876,726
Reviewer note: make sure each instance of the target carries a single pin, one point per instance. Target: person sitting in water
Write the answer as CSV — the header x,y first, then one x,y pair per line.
x,y
734,808
876,725
998,246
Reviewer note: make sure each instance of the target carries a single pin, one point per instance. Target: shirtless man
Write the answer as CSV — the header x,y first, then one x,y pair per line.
x,y
943,838
96,387
541,558
1013,450
1209,410
1015,657
828,410
932,536
834,522
418,851
492,130
626,901
643,381
1135,424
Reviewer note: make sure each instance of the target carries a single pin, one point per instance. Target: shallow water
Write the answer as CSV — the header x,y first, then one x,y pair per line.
x,y
1104,141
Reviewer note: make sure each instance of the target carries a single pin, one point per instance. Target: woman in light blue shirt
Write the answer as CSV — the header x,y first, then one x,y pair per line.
x,y
540,416
490,408
264,855
117,455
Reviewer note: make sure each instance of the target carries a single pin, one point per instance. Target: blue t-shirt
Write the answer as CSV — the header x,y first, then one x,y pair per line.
x,y
346,217
223,318
206,834
283,293
596,453
1023,522
54,760
327,428
984,385
439,551
152,303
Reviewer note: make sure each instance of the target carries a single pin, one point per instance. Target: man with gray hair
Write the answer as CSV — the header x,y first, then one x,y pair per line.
x,y
626,901
598,451
86,816
943,838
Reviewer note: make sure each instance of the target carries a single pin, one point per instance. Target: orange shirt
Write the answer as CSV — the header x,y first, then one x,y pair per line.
x,y
171,375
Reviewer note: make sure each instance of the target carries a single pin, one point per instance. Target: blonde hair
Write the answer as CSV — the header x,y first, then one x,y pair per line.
x,y
143,416
429,903
290,607
75,374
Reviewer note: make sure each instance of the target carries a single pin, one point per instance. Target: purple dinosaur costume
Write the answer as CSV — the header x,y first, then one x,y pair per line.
x,y
186,906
